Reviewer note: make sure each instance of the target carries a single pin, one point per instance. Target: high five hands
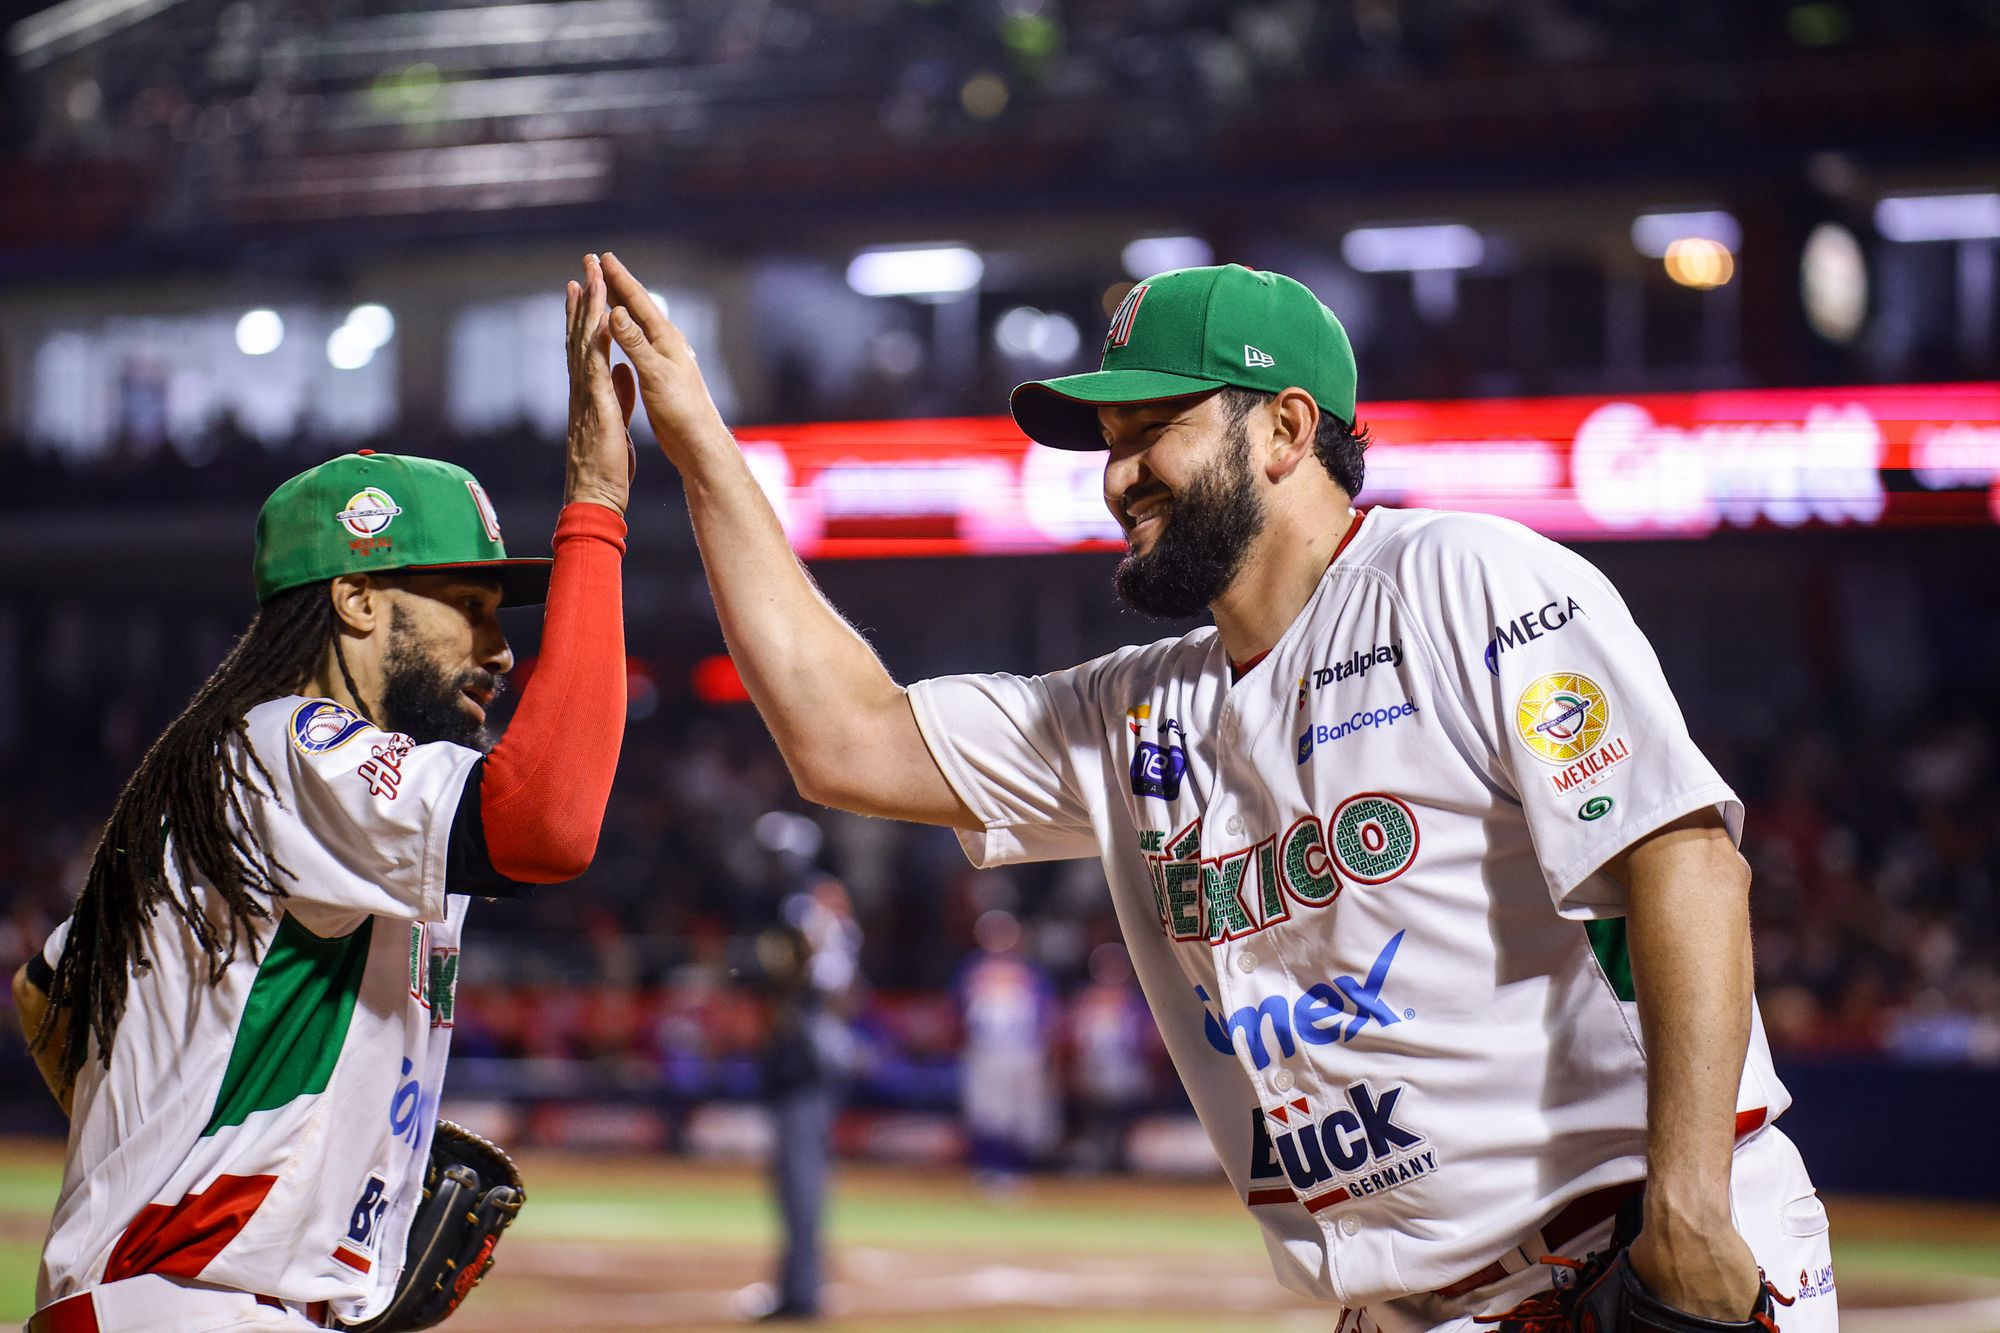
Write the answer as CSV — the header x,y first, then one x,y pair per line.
x,y
601,460
678,405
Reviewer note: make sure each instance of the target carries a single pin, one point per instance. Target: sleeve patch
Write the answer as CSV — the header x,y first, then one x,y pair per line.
x,y
320,725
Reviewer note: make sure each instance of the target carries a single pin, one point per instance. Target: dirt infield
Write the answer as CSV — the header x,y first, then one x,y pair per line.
x,y
650,1243
931,1252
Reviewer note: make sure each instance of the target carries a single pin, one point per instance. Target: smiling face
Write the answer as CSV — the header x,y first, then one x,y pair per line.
x,y
1180,482
445,657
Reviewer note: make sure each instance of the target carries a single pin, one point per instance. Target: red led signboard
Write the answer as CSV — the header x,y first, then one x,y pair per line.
x,y
1646,466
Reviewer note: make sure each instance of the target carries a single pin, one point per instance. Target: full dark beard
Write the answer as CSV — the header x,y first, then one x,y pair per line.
x,y
423,700
1203,542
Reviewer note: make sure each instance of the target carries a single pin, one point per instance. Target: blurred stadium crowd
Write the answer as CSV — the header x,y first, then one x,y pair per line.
x,y
1874,835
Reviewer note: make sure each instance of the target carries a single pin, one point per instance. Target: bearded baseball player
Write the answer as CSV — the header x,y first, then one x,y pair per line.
x,y
247,1016
1436,904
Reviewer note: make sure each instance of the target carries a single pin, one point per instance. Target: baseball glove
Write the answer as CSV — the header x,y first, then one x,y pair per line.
x,y
472,1192
1603,1295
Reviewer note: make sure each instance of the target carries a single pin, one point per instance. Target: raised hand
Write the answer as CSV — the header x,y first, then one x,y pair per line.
x,y
677,399
602,461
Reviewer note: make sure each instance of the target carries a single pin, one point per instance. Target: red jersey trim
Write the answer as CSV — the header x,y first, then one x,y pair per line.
x,y
180,1240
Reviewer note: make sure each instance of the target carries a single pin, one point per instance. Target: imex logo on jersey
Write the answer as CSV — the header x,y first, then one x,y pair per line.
x,y
1371,838
408,1108
1324,1014
320,725
433,976
1529,626
1563,719
1360,1145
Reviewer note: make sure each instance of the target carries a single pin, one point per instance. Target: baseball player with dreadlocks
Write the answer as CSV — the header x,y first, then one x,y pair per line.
x,y
1436,903
248,1013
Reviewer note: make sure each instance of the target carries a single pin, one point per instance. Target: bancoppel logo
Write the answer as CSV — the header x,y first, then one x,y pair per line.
x,y
1256,358
1528,627
1325,734
1361,1145
1324,1014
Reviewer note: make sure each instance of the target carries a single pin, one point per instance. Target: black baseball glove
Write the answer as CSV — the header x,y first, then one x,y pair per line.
x,y
1604,1295
472,1191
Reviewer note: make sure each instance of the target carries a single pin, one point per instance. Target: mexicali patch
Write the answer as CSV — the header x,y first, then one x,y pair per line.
x,y
320,725
1565,719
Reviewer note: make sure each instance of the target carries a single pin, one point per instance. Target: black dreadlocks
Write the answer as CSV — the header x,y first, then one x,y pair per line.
x,y
190,785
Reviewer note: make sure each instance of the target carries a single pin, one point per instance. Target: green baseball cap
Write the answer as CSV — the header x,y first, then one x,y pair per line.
x,y
1194,330
370,513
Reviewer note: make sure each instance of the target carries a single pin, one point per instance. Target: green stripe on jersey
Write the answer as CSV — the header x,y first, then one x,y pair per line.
x,y
1607,941
295,1022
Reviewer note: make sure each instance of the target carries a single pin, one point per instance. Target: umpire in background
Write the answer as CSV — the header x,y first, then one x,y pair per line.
x,y
808,967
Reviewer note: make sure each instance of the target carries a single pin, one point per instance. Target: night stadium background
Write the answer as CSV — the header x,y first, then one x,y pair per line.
x,y
1708,288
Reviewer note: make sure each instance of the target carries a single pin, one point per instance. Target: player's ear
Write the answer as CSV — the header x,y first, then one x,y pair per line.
x,y
357,602
1295,423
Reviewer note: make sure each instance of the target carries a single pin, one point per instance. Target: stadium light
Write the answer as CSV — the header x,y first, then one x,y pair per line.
x,y
937,270
1939,217
373,323
1412,249
1156,254
259,332
1045,336
1653,233
1700,263
348,348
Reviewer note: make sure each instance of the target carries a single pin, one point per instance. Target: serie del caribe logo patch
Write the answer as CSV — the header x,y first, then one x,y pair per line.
x,y
1564,718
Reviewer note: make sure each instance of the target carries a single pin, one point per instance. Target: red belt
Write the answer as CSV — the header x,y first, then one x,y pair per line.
x,y
1572,1220
1581,1214
78,1314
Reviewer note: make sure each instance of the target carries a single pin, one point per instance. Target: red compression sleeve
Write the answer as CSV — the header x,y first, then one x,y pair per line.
x,y
542,793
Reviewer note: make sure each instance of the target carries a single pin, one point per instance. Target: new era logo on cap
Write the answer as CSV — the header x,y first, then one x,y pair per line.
x,y
1254,357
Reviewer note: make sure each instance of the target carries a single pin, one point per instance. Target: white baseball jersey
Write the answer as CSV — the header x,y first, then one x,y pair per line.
x,y
270,1133
1360,884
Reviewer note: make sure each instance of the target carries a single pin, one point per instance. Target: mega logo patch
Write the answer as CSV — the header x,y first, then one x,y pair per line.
x,y
1529,626
1334,1155
1565,718
320,725
1324,1014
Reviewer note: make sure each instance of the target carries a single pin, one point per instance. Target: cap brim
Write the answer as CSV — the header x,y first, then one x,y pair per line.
x,y
524,581
1062,413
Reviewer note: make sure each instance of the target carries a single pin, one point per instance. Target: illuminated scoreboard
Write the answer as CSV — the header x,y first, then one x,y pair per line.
x,y
1646,466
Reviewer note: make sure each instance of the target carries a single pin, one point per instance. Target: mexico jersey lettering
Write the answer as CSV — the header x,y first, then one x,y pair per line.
x,y
270,1133
1361,885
